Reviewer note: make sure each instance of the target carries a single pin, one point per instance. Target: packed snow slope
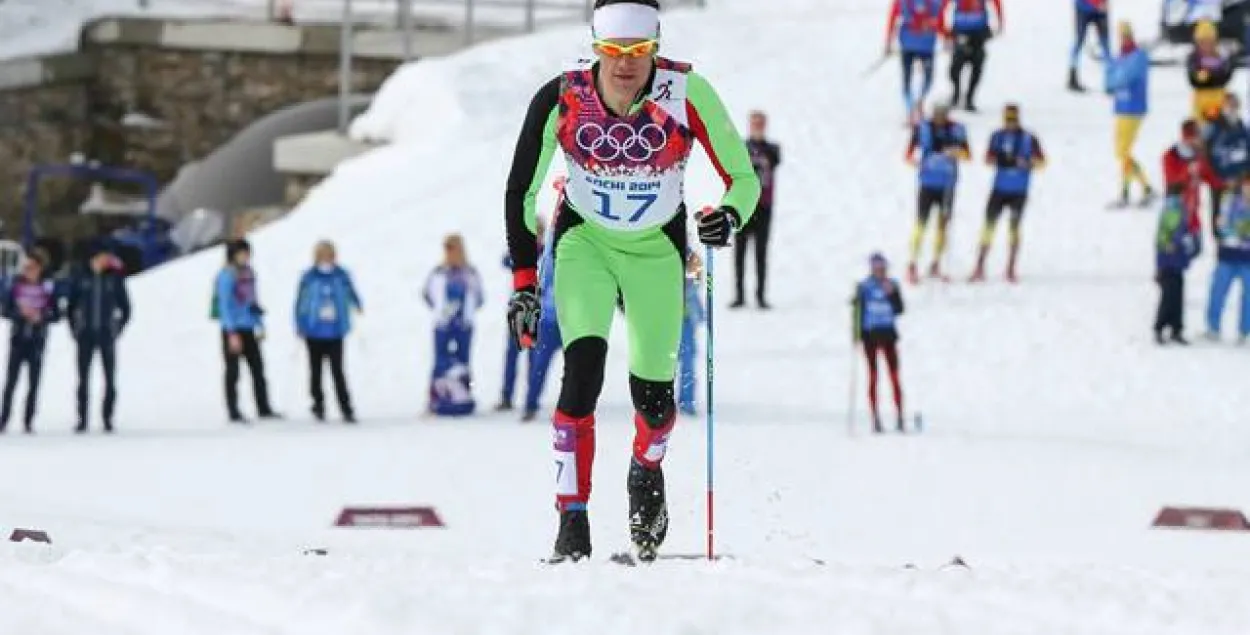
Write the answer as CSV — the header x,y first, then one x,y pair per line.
x,y
1054,431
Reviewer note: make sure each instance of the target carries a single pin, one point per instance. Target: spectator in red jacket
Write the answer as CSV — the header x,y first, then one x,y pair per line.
x,y
1186,168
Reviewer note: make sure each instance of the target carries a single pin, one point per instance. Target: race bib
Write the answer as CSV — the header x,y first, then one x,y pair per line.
x,y
626,202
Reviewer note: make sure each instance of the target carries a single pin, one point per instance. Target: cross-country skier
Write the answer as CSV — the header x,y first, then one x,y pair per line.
x,y
30,305
1232,236
970,32
878,304
1176,245
919,24
687,351
1014,153
1186,169
626,124
1227,142
942,145
1209,70
1089,13
1128,80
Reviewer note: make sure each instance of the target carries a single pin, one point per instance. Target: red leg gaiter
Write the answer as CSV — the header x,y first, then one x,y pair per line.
x,y
574,444
650,444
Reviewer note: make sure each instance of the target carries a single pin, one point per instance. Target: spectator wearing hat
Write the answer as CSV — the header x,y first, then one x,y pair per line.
x,y
323,306
98,307
1209,69
239,311
878,303
30,305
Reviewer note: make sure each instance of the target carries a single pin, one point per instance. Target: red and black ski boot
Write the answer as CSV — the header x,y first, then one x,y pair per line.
x,y
648,511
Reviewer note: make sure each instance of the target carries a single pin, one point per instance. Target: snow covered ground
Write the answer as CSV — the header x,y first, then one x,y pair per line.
x,y
1054,428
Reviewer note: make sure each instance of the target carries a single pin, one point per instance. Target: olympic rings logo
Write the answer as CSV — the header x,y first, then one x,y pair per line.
x,y
621,140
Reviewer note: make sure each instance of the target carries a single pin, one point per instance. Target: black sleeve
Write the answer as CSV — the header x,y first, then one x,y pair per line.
x,y
776,154
896,300
123,302
522,244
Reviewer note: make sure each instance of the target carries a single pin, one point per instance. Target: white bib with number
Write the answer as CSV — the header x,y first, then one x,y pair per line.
x,y
627,173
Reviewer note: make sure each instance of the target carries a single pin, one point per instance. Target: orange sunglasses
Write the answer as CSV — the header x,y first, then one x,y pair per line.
x,y
645,48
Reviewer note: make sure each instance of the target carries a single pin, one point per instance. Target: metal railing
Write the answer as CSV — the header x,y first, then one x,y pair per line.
x,y
467,15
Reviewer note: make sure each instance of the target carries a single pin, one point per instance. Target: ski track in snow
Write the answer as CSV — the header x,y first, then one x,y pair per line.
x,y
1054,428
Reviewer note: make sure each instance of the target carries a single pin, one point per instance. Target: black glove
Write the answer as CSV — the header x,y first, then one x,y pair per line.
x,y
717,226
524,310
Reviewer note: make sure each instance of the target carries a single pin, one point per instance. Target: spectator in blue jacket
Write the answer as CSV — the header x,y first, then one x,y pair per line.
x,y
1233,237
549,340
238,309
454,292
323,306
1228,147
1128,82
688,349
512,352
99,309
1176,245
30,306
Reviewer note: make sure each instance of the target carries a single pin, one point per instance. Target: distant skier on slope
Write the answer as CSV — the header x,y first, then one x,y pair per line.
x,y
878,303
1014,153
1089,13
627,124
1186,169
1176,245
1233,263
1227,143
970,32
942,144
919,25
1128,80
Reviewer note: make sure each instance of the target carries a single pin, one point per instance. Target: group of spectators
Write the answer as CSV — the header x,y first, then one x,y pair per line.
x,y
94,302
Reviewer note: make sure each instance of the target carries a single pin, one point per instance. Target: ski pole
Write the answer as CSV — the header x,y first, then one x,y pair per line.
x,y
708,262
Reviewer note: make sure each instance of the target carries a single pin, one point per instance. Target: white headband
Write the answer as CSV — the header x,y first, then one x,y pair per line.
x,y
626,21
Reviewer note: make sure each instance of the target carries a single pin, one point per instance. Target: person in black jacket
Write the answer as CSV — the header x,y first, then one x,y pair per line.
x,y
98,309
30,305
765,157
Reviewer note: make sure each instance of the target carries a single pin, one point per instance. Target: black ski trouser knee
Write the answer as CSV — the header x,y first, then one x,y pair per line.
x,y
582,383
654,400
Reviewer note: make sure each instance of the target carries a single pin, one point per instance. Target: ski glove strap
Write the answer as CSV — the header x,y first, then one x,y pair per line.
x,y
524,311
717,226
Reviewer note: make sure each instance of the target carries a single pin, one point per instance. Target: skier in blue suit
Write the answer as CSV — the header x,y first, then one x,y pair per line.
x,y
323,317
454,292
1233,236
549,341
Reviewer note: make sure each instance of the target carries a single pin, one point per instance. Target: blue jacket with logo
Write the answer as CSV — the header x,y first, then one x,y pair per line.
x,y
876,310
971,16
1176,244
920,22
324,303
1014,153
1228,143
1128,79
1233,231
238,306
455,294
938,171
